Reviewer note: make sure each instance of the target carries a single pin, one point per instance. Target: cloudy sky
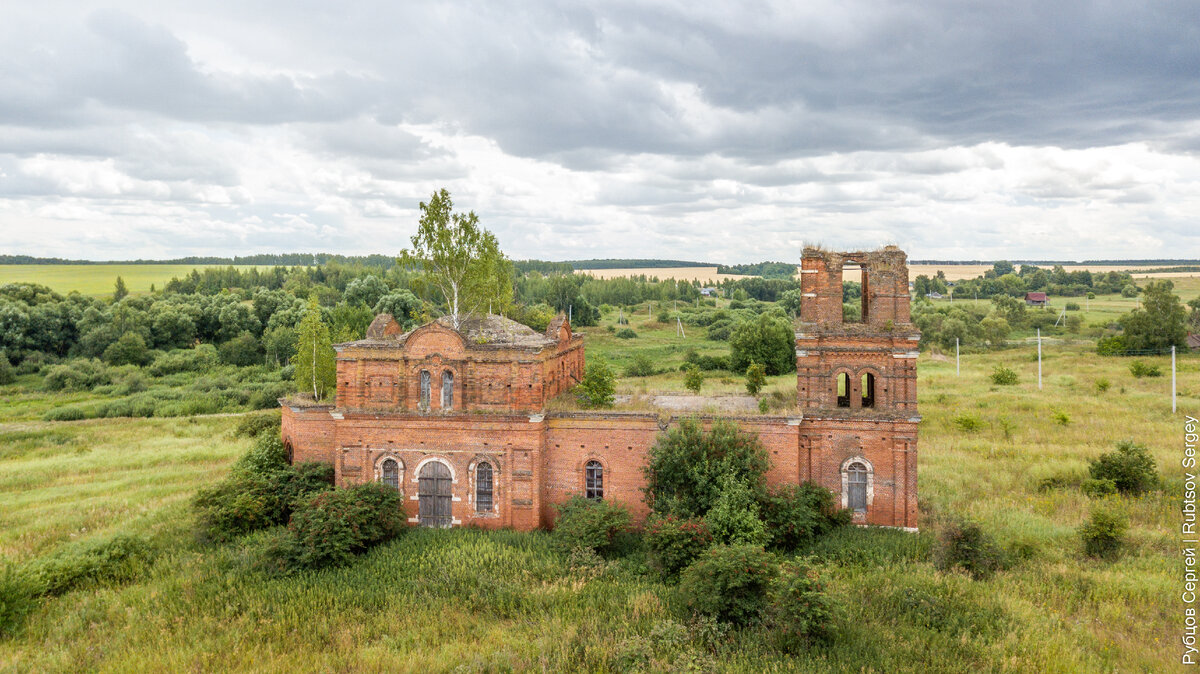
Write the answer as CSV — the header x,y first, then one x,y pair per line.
x,y
704,131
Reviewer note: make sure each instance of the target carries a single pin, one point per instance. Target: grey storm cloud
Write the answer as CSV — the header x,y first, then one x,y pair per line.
x,y
637,117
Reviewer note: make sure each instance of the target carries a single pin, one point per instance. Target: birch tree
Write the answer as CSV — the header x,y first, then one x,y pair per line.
x,y
459,260
316,367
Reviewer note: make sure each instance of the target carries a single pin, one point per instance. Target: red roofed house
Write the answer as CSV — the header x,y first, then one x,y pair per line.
x,y
1036,299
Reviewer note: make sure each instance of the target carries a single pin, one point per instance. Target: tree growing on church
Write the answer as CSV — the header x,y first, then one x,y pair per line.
x,y
316,369
459,260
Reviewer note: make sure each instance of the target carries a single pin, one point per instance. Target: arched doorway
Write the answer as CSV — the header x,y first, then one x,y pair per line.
x,y
433,489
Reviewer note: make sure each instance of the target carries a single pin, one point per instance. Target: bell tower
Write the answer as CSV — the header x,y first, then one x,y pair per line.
x,y
856,384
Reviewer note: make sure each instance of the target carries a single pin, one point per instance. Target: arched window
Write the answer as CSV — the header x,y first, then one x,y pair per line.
x,y
483,487
389,473
593,486
843,390
447,390
856,487
868,390
425,389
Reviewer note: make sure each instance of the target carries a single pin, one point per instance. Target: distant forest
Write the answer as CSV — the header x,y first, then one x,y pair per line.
x,y
764,269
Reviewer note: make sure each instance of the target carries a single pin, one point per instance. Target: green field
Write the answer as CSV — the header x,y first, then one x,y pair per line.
x,y
473,601
98,280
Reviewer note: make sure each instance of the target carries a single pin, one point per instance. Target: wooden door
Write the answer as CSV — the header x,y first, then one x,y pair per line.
x,y
434,490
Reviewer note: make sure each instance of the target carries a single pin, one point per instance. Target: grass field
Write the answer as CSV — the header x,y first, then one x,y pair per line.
x,y
701,274
98,280
472,601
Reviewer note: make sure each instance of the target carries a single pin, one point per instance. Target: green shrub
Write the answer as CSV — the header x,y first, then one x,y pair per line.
x,y
1072,306
243,350
968,423
1131,468
756,378
68,413
1112,345
261,491
965,545
253,425
729,583
687,467
1104,533
733,518
1004,376
78,375
200,359
267,455
599,385
769,339
720,331
1098,488
1139,369
16,600
675,542
641,366
589,523
1061,418
1102,385
693,379
796,514
331,527
129,349
763,406
798,611
626,333
115,559
7,373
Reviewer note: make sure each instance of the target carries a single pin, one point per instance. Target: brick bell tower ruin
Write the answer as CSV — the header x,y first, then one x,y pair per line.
x,y
856,384
457,419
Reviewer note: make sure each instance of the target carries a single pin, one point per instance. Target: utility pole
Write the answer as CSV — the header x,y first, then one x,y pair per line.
x,y
571,314
1039,359
1173,408
957,363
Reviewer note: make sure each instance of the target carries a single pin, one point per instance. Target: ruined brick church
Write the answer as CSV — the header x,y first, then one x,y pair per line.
x,y
456,418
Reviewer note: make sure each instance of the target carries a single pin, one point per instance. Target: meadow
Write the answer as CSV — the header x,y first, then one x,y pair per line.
x,y
98,280
474,601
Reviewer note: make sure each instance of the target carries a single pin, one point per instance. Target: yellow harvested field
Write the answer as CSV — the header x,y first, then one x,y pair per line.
x,y
702,274
957,272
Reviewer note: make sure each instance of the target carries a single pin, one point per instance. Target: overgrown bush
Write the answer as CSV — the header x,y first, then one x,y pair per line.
x,y
796,514
756,378
1004,376
729,583
798,611
129,349
78,375
589,523
598,387
968,423
693,379
676,542
119,558
331,527
8,374
641,366
253,425
1102,385
769,340
16,599
200,359
967,546
1104,533
1139,369
626,333
687,467
733,518
1098,488
261,491
1131,468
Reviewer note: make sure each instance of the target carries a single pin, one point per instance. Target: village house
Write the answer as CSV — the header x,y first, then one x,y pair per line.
x,y
1036,299
457,419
